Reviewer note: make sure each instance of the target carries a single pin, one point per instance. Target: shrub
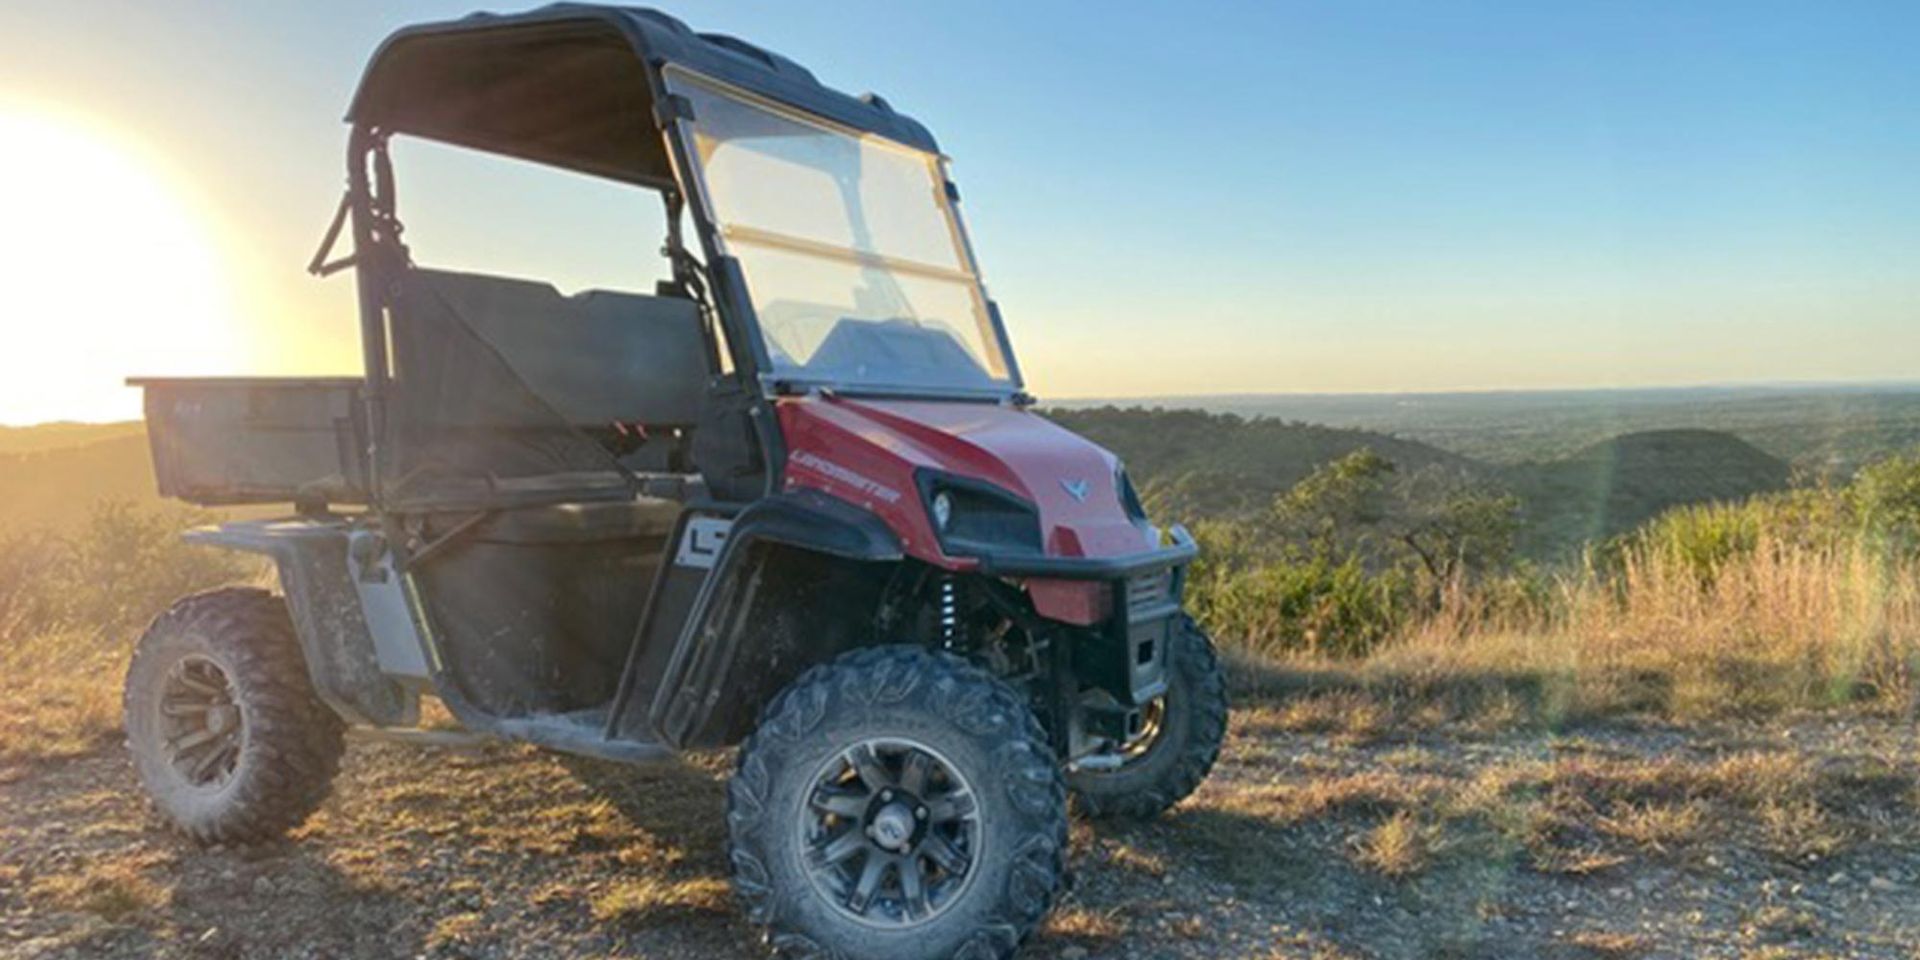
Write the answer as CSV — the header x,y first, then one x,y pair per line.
x,y
119,569
29,568
70,605
1315,605
1886,498
127,564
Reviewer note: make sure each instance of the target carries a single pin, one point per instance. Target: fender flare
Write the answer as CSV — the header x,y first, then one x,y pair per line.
x,y
812,520
310,556
703,658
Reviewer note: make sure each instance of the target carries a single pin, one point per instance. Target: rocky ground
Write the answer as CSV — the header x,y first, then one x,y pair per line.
x,y
1318,837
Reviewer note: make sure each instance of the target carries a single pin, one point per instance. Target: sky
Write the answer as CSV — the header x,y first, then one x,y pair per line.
x,y
1166,199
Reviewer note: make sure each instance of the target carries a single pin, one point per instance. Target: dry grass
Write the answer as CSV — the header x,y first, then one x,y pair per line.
x,y
1373,792
1800,829
459,928
1086,926
61,697
1399,846
1785,627
70,606
112,890
1583,810
1609,945
1778,922
648,899
1656,827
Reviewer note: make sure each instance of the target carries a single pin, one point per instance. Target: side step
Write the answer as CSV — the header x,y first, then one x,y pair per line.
x,y
582,732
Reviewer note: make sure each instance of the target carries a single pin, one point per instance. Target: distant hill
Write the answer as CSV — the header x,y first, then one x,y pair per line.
x,y
1615,485
53,436
1831,427
1194,463
1222,463
56,486
1204,464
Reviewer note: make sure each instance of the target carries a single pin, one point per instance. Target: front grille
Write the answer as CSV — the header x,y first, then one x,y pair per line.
x,y
1149,590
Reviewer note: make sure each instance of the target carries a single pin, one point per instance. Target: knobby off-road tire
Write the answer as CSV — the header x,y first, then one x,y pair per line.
x,y
977,810
226,732
1192,723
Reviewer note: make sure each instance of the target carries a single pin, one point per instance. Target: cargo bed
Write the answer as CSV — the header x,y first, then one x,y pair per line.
x,y
237,440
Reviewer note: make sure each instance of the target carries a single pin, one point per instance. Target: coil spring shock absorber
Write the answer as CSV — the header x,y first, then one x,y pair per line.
x,y
949,606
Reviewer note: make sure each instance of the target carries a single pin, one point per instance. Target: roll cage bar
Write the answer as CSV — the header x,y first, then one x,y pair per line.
x,y
580,87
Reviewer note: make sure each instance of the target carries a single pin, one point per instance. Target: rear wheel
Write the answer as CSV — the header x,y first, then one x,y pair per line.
x,y
897,803
226,732
1182,733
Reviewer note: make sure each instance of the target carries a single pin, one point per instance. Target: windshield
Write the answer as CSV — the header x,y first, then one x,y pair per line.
x,y
852,255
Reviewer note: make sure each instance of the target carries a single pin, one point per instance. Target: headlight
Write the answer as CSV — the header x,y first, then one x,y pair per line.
x,y
974,518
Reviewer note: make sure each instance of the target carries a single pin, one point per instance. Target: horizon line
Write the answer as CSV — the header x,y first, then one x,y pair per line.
x,y
1801,385
1884,384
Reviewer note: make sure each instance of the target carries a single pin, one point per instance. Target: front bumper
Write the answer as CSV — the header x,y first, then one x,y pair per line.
x,y
1177,554
1123,654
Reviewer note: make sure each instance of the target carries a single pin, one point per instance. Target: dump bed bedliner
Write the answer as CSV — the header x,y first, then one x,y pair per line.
x,y
238,440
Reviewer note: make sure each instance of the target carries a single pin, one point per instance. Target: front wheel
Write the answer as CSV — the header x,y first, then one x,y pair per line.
x,y
1183,732
897,803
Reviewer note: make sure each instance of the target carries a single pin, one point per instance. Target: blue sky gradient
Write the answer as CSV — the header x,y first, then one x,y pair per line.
x,y
1187,198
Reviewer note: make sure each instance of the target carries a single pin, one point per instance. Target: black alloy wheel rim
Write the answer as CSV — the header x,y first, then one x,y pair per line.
x,y
892,831
202,727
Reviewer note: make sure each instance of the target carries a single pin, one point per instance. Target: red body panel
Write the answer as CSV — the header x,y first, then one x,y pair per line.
x,y
867,452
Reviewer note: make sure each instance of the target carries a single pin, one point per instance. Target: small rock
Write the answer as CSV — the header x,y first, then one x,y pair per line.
x,y
1837,879
1074,953
1883,885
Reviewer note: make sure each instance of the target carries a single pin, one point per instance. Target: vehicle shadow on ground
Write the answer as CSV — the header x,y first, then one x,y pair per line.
x,y
1304,873
284,900
684,801
678,808
102,875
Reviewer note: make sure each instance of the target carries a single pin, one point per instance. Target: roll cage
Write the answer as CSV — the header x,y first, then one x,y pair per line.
x,y
585,88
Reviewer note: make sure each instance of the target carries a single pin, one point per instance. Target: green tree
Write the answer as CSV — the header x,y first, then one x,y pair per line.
x,y
1453,527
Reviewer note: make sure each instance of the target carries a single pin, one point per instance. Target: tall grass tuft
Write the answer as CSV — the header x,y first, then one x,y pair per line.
x,y
1802,600
70,606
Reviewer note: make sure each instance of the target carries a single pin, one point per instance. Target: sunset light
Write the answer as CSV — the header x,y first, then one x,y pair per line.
x,y
111,273
910,481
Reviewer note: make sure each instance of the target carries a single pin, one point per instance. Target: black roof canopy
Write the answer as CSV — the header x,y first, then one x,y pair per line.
x,y
568,85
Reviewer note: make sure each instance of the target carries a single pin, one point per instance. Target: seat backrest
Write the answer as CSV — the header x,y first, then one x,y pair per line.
x,y
597,357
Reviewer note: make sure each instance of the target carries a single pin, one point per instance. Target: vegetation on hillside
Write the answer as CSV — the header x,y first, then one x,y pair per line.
x,y
70,604
1400,574
1222,466
1827,428
1362,604
54,486
61,435
1614,486
1803,598
1206,464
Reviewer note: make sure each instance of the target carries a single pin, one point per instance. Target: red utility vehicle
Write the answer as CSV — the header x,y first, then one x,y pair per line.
x,y
793,499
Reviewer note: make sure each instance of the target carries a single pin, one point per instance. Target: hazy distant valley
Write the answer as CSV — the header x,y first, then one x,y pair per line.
x,y
1586,465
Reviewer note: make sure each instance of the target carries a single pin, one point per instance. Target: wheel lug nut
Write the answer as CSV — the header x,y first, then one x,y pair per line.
x,y
886,795
920,812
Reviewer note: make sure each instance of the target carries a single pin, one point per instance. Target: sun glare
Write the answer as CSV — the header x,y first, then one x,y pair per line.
x,y
109,274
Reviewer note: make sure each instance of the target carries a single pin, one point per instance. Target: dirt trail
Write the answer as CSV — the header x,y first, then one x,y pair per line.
x,y
1798,840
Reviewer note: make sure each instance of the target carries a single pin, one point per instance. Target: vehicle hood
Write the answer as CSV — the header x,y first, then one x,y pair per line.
x,y
870,452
